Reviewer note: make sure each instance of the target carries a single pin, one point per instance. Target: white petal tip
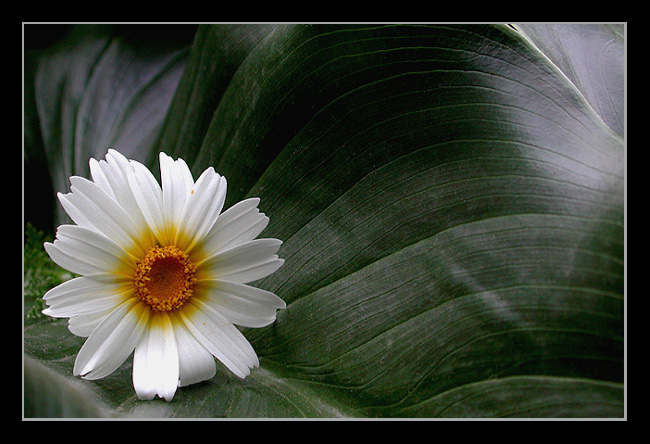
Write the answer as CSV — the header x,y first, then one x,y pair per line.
x,y
148,395
242,375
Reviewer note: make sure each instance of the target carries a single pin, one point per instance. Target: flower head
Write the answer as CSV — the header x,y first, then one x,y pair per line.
x,y
163,274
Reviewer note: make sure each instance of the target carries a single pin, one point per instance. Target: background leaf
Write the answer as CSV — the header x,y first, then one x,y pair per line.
x,y
451,204
98,88
591,57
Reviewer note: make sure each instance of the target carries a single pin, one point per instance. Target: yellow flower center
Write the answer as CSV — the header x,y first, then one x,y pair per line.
x,y
164,279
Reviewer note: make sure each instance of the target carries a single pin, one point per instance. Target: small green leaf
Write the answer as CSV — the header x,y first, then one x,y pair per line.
x,y
40,273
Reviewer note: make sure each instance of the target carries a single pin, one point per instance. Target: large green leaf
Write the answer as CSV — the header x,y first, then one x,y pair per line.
x,y
451,202
95,90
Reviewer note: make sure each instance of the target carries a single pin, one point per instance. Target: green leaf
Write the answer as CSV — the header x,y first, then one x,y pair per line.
x,y
97,89
591,57
40,273
451,202
49,394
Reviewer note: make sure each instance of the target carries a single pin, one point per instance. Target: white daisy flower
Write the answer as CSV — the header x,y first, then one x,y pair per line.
x,y
162,273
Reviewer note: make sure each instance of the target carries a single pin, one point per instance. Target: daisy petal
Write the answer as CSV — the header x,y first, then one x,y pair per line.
x,y
84,295
111,176
219,337
201,210
244,263
89,206
148,195
176,180
196,363
112,341
70,263
241,304
84,325
241,223
92,250
155,361
98,173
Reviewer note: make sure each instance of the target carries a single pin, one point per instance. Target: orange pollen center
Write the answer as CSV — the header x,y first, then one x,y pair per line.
x,y
164,279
